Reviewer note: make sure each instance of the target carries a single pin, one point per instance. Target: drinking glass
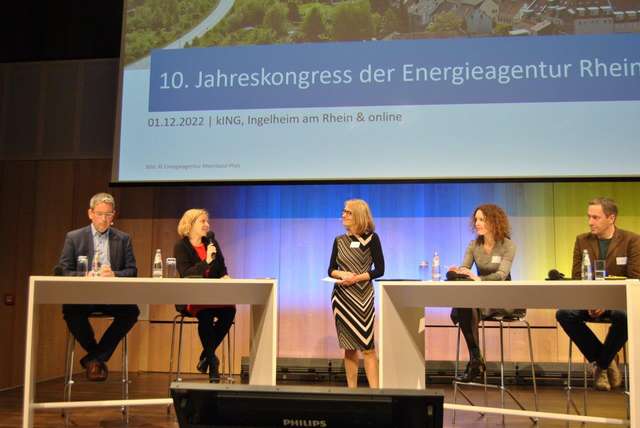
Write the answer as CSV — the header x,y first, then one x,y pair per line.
x,y
83,265
171,268
423,270
600,269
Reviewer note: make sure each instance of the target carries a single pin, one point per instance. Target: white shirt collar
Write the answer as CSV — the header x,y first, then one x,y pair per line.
x,y
95,233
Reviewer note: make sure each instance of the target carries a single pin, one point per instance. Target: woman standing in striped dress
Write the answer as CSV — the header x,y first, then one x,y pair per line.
x,y
356,260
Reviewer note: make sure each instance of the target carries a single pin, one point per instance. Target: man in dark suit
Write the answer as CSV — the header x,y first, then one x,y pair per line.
x,y
621,251
111,250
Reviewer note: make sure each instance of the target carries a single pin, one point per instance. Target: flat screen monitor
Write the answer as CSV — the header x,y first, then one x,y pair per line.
x,y
200,405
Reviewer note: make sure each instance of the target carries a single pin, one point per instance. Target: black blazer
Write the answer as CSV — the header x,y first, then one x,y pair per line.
x,y
79,242
189,264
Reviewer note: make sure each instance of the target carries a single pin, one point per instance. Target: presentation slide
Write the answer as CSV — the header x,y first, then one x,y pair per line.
x,y
293,90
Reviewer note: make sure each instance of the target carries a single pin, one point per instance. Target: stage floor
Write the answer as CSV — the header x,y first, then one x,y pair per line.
x,y
155,385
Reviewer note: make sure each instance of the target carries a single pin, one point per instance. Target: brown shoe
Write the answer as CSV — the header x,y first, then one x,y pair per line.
x,y
97,371
600,379
613,373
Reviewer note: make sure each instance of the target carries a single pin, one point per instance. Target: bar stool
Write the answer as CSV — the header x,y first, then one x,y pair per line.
x,y
570,402
227,358
508,318
68,371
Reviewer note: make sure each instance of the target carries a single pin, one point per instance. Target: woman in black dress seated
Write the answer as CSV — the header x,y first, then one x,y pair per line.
x,y
198,255
492,251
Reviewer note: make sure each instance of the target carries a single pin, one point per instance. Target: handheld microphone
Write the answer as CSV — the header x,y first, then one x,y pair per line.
x,y
455,276
555,275
208,239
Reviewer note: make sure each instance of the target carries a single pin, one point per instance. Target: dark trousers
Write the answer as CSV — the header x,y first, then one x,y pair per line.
x,y
573,323
468,319
213,326
77,318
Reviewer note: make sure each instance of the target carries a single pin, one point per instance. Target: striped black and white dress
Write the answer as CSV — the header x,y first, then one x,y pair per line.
x,y
353,304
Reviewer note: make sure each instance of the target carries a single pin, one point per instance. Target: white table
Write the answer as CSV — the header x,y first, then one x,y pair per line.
x,y
402,341
261,294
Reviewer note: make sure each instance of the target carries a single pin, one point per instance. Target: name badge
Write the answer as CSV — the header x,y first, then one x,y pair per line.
x,y
621,261
355,244
496,259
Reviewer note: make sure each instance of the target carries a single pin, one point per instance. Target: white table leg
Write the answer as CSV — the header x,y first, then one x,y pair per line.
x,y
264,341
633,348
30,358
401,344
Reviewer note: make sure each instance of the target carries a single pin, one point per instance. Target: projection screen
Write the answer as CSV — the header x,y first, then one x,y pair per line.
x,y
286,90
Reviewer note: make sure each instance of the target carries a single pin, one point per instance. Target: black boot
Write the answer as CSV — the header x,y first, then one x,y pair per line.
x,y
203,365
214,370
475,368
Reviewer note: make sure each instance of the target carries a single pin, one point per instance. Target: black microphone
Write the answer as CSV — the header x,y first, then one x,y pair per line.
x,y
455,276
555,275
58,271
208,239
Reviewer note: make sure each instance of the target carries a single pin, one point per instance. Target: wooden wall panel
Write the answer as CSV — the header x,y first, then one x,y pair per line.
x,y
164,237
308,334
162,312
172,202
544,341
160,343
135,216
4,104
22,117
17,240
54,211
7,313
96,120
440,344
61,82
52,221
91,176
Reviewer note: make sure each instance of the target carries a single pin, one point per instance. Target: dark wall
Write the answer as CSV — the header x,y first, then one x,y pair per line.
x,y
60,30
58,109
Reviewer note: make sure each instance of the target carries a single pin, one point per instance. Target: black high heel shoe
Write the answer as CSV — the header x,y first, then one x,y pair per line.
x,y
475,368
214,370
203,365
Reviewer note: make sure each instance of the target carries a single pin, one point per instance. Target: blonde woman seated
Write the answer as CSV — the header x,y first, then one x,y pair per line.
x,y
356,260
198,254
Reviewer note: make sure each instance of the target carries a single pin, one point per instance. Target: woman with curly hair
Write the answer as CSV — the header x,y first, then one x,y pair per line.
x,y
492,251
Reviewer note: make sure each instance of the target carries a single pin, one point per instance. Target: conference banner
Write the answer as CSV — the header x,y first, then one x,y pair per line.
x,y
402,72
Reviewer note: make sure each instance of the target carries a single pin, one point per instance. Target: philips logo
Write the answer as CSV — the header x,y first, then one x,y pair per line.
x,y
315,423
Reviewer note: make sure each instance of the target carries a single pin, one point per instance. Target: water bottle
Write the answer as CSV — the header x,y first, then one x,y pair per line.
x,y
156,268
95,264
435,267
586,266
